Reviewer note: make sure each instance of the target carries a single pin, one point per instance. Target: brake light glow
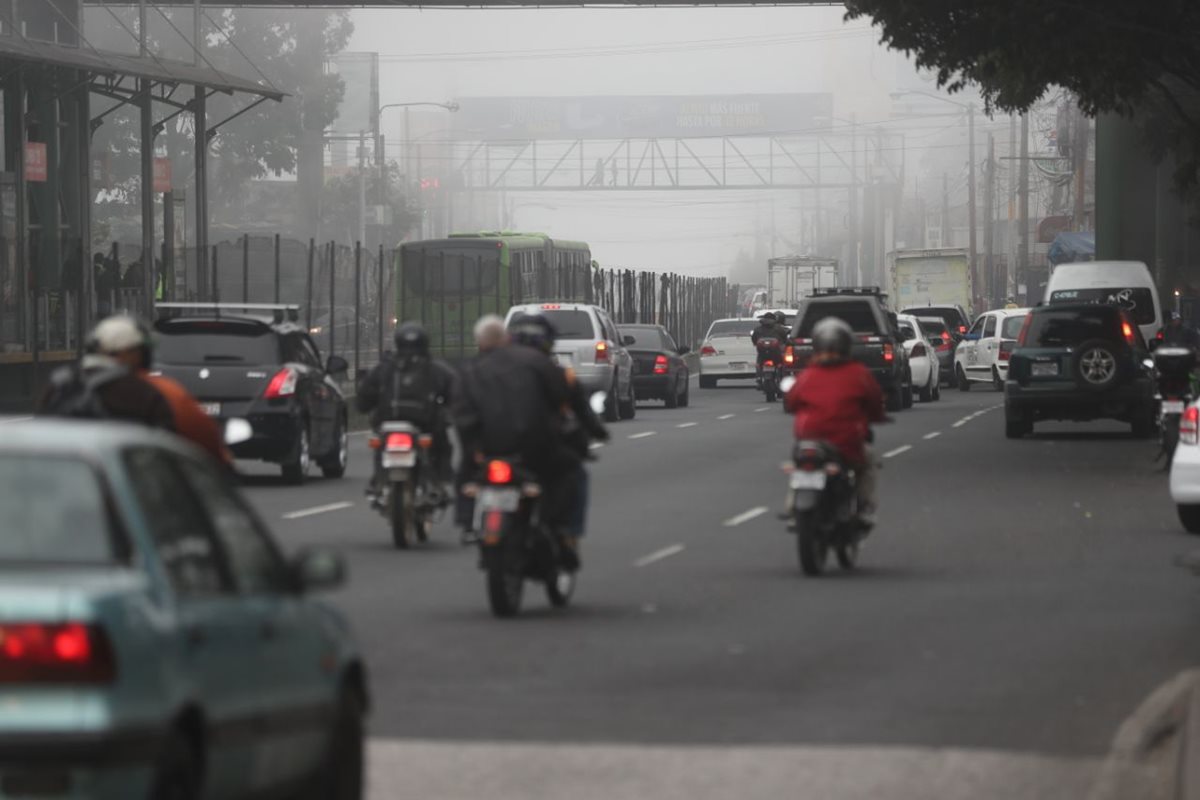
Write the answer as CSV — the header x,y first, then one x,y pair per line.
x,y
1005,353
660,365
601,352
945,345
889,351
283,384
425,441
1024,330
499,472
769,363
71,653
789,355
399,442
708,350
1189,426
551,307
1127,331
962,328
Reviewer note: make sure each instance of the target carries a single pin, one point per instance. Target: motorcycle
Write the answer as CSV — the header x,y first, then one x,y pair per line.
x,y
406,490
824,506
770,368
1173,366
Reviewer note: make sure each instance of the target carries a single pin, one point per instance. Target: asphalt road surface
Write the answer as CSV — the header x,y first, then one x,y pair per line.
x,y
1016,604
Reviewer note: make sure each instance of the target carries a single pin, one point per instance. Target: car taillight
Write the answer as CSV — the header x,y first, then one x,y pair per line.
x,y
769,363
1024,330
499,472
425,441
708,350
283,384
962,329
660,365
601,352
1005,351
918,350
399,442
1189,426
789,355
945,346
1127,331
889,351
70,653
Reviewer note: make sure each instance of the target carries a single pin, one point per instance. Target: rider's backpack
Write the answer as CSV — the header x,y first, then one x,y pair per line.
x,y
76,393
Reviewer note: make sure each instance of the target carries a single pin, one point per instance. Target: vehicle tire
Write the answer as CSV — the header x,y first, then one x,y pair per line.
x,y
612,412
996,381
178,775
401,515
812,551
505,582
560,586
707,382
295,469
1016,427
1189,517
964,385
1143,423
683,398
847,555
1095,367
671,400
907,392
927,391
342,775
335,465
895,398
628,407
937,390
1169,436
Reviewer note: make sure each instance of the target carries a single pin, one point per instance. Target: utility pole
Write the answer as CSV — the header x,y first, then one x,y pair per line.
x,y
989,231
1010,243
362,188
971,195
1023,210
855,268
947,237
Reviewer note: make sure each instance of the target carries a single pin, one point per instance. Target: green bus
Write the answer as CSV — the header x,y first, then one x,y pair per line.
x,y
447,284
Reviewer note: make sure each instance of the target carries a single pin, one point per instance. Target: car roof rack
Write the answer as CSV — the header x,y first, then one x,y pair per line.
x,y
276,312
830,291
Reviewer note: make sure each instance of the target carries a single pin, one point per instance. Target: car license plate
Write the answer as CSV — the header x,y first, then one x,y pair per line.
x,y
739,366
1172,406
212,409
808,480
398,459
564,360
499,499
1042,370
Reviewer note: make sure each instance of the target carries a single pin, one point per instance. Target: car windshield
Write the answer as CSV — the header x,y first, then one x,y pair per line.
x,y
1011,328
216,342
646,338
858,314
1137,302
732,327
571,323
53,510
1070,327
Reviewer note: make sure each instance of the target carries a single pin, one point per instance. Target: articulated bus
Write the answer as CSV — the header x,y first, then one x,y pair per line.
x,y
447,284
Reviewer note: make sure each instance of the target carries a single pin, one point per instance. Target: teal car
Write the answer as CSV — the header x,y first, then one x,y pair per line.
x,y
154,641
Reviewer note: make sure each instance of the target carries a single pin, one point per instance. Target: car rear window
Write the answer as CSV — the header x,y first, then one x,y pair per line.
x,y
1011,328
54,512
216,343
646,338
732,327
1137,302
571,323
858,314
934,328
1071,327
950,316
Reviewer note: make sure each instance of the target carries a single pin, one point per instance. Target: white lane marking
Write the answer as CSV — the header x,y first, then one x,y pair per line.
x,y
960,423
745,516
595,445
659,555
933,435
727,416
904,448
641,435
16,419
687,424
760,410
309,512
359,433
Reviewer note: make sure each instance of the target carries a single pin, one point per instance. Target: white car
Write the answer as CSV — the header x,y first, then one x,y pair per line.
x,y
923,363
1185,470
982,356
727,352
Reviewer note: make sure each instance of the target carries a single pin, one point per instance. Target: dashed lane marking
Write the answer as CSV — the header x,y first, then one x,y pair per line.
x,y
745,516
727,416
904,448
659,555
309,512
960,423
687,424
760,410
641,435
933,435
15,419
595,445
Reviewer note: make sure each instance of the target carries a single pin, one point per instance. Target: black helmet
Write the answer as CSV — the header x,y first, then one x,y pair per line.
x,y
833,336
768,317
533,330
411,340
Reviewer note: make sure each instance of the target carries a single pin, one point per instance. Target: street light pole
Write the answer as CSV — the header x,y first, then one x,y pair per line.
x,y
975,281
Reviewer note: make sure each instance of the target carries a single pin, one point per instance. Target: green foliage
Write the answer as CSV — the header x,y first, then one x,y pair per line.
x,y
339,201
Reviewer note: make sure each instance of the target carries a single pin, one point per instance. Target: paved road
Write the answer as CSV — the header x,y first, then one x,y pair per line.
x,y
1017,602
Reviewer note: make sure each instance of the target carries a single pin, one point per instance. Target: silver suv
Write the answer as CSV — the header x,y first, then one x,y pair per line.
x,y
588,343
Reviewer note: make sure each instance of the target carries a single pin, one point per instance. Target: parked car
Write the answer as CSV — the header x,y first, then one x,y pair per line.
x,y
257,363
1079,362
922,359
727,352
1185,470
155,638
955,317
983,354
944,344
659,371
878,344
588,343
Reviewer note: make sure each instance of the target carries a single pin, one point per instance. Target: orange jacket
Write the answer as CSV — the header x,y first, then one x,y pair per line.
x,y
190,420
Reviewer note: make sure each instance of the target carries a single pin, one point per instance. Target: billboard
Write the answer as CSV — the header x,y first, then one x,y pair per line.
x,y
360,96
649,116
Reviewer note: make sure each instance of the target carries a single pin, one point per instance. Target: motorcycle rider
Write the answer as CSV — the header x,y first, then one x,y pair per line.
x,y
770,326
1177,334
409,386
490,334
836,399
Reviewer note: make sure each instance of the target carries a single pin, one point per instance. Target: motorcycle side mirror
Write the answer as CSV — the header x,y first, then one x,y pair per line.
x,y
787,383
597,402
238,430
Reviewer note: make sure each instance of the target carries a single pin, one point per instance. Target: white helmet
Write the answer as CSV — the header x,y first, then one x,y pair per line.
x,y
116,334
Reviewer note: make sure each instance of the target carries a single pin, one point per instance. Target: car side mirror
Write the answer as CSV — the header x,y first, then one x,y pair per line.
x,y
628,341
684,350
336,365
318,570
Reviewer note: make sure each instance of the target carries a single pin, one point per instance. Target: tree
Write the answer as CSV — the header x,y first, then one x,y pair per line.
x,y
1113,55
339,198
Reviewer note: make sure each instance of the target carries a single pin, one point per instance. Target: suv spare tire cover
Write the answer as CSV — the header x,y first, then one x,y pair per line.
x,y
1096,365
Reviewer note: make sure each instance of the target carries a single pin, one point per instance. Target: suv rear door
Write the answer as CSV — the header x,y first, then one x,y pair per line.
x,y
871,334
1054,341
225,363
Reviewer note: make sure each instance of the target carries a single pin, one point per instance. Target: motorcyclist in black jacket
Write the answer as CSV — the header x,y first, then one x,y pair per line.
x,y
410,386
1177,333
770,326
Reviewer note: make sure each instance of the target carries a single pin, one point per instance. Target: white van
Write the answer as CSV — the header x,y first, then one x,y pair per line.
x,y
1127,284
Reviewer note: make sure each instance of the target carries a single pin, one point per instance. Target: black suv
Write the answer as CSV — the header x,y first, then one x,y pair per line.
x,y
878,340
257,363
1078,362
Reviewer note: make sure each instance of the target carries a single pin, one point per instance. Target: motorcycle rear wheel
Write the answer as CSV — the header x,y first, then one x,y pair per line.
x,y
812,551
402,515
505,580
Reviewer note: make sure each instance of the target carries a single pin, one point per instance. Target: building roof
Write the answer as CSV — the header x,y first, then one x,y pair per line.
x,y
162,70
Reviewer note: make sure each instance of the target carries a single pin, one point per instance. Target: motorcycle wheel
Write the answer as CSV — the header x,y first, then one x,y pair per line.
x,y
813,552
505,581
847,555
401,514
560,586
